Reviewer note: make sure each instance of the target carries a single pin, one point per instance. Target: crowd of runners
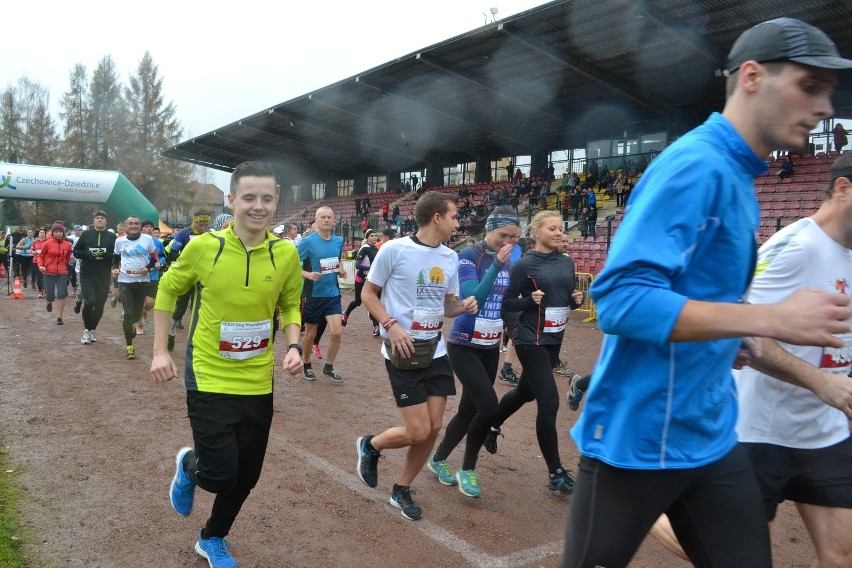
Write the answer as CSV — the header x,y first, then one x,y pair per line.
x,y
666,444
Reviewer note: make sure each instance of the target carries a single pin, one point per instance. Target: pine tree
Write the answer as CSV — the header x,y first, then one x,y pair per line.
x,y
40,142
106,120
152,127
75,150
11,126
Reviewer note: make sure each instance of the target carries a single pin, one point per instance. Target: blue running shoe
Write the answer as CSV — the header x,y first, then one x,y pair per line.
x,y
215,550
468,484
401,499
182,490
561,482
368,461
442,470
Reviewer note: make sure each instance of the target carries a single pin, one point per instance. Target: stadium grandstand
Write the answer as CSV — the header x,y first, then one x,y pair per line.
x,y
569,83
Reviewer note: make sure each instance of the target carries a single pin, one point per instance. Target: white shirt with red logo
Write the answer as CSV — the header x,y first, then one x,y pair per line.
x,y
774,412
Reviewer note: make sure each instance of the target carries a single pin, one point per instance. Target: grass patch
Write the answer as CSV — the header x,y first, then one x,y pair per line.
x,y
10,527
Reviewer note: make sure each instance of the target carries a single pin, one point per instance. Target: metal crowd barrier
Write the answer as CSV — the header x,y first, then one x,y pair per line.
x,y
583,281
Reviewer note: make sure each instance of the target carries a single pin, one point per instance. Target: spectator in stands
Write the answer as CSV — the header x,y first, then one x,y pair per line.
x,y
565,206
385,208
395,212
786,168
414,181
345,228
513,199
576,202
365,224
519,175
839,137
618,188
357,205
365,205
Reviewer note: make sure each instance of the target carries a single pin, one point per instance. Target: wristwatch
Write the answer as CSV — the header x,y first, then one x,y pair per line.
x,y
296,346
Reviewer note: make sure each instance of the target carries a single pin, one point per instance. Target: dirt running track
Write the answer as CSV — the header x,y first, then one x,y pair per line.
x,y
92,440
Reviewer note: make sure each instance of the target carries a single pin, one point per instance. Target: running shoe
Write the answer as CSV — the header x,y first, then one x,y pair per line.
x,y
376,331
59,321
368,461
179,325
317,352
25,283
401,499
345,320
121,316
49,306
561,482
140,329
131,353
92,337
575,393
503,349
215,551
309,374
113,302
468,485
509,376
182,489
78,305
171,342
490,443
562,369
87,338
333,375
442,470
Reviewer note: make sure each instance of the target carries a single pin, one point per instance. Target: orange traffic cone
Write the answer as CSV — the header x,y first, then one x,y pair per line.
x,y
17,293
3,274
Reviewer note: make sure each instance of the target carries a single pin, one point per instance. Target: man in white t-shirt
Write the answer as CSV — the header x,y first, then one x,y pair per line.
x,y
797,432
418,280
134,254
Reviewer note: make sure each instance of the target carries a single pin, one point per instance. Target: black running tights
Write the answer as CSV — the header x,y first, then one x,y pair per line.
x,y
537,383
476,370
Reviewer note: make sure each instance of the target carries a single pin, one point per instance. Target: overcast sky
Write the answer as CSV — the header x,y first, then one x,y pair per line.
x,y
223,61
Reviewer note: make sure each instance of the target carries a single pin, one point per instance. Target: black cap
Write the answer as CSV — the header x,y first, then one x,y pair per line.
x,y
785,39
101,213
389,233
147,222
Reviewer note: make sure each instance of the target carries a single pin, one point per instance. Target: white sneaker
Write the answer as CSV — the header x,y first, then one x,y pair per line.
x,y
86,337
92,337
140,329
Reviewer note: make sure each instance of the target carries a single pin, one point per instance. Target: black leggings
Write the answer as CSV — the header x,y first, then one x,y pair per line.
x,y
132,295
36,276
357,302
230,433
537,383
478,404
181,304
715,510
95,291
26,263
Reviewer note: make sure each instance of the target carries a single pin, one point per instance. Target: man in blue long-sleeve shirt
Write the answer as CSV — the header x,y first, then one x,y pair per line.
x,y
657,433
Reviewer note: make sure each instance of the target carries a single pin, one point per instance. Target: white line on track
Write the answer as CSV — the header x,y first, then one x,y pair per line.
x,y
445,538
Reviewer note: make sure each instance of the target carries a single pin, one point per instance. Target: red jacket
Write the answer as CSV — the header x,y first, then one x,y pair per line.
x,y
54,257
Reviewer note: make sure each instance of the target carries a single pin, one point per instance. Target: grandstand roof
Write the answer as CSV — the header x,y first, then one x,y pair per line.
x,y
550,78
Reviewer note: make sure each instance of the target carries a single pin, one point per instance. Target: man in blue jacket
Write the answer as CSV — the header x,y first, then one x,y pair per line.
x,y
657,433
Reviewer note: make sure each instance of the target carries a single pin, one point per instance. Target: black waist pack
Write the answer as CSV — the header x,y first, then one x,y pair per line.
x,y
424,351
